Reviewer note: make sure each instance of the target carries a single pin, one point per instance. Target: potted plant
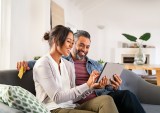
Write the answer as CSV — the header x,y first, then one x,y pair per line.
x,y
140,58
37,57
144,37
101,62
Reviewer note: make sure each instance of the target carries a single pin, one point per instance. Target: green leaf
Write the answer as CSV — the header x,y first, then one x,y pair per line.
x,y
37,57
130,37
101,61
145,36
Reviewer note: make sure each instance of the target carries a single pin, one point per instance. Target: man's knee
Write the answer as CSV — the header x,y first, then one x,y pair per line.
x,y
129,93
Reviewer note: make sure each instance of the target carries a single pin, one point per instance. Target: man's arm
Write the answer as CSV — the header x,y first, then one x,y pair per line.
x,y
31,63
26,64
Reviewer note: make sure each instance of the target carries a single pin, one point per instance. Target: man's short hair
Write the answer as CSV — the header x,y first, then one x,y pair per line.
x,y
81,33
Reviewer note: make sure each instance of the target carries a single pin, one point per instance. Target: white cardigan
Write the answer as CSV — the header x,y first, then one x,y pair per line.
x,y
49,91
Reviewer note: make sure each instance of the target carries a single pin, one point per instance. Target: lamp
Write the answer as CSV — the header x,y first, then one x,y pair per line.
x,y
100,26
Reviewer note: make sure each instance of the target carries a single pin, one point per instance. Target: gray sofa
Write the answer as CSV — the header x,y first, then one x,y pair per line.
x,y
148,94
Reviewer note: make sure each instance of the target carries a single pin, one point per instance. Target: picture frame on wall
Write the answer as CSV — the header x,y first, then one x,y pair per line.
x,y
56,14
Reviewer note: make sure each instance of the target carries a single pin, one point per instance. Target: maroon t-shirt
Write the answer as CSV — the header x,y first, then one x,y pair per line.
x,y
82,77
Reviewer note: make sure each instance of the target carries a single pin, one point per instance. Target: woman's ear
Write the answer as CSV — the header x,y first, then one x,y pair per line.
x,y
56,42
53,41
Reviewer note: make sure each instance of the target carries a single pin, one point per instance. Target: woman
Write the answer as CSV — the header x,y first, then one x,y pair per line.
x,y
54,79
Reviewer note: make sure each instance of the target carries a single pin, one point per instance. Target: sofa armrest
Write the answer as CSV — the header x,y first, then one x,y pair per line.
x,y
147,93
10,77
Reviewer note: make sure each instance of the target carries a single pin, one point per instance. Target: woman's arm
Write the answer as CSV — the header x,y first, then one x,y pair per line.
x,y
44,75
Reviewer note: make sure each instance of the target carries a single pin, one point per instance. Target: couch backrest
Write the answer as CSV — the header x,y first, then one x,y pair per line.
x,y
10,77
146,92
129,81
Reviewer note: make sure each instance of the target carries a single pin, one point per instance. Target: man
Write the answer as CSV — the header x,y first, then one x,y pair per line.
x,y
125,101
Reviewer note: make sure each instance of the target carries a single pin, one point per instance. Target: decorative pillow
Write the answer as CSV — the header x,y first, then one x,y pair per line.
x,y
21,99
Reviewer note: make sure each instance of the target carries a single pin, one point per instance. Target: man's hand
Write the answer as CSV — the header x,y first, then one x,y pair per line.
x,y
116,82
23,64
93,78
102,83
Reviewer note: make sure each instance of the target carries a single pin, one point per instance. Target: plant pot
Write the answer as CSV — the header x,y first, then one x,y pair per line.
x,y
140,57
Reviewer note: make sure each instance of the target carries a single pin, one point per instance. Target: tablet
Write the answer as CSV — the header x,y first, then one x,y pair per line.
x,y
110,69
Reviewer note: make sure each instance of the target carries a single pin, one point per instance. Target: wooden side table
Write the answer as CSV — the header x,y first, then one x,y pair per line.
x,y
148,67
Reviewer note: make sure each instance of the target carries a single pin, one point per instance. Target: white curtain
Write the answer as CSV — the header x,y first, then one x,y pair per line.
x,y
5,17
0,25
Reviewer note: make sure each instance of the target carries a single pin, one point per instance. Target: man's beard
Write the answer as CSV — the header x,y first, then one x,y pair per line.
x,y
80,57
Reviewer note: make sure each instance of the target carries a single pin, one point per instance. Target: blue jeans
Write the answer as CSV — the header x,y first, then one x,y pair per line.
x,y
126,102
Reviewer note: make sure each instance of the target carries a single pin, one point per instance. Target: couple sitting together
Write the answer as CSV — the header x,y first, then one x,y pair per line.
x,y
65,79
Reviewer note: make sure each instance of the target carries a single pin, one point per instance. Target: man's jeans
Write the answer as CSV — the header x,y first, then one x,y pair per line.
x,y
126,102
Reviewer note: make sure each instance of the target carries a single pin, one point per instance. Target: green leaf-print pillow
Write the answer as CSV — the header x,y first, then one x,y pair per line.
x,y
21,99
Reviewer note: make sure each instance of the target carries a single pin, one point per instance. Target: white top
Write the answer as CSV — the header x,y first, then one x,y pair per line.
x,y
62,75
57,88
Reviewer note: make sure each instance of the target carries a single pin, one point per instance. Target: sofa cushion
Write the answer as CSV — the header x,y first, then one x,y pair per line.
x,y
151,108
21,99
6,109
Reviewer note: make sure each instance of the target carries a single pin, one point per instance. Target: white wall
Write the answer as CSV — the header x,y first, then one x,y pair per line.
x,y
29,21
31,18
5,34
73,15
105,41
121,17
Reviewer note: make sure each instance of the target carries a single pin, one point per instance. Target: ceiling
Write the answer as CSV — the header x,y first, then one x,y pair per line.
x,y
124,12
85,5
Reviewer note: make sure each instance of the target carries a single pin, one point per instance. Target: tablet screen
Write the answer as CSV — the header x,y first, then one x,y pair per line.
x,y
110,69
